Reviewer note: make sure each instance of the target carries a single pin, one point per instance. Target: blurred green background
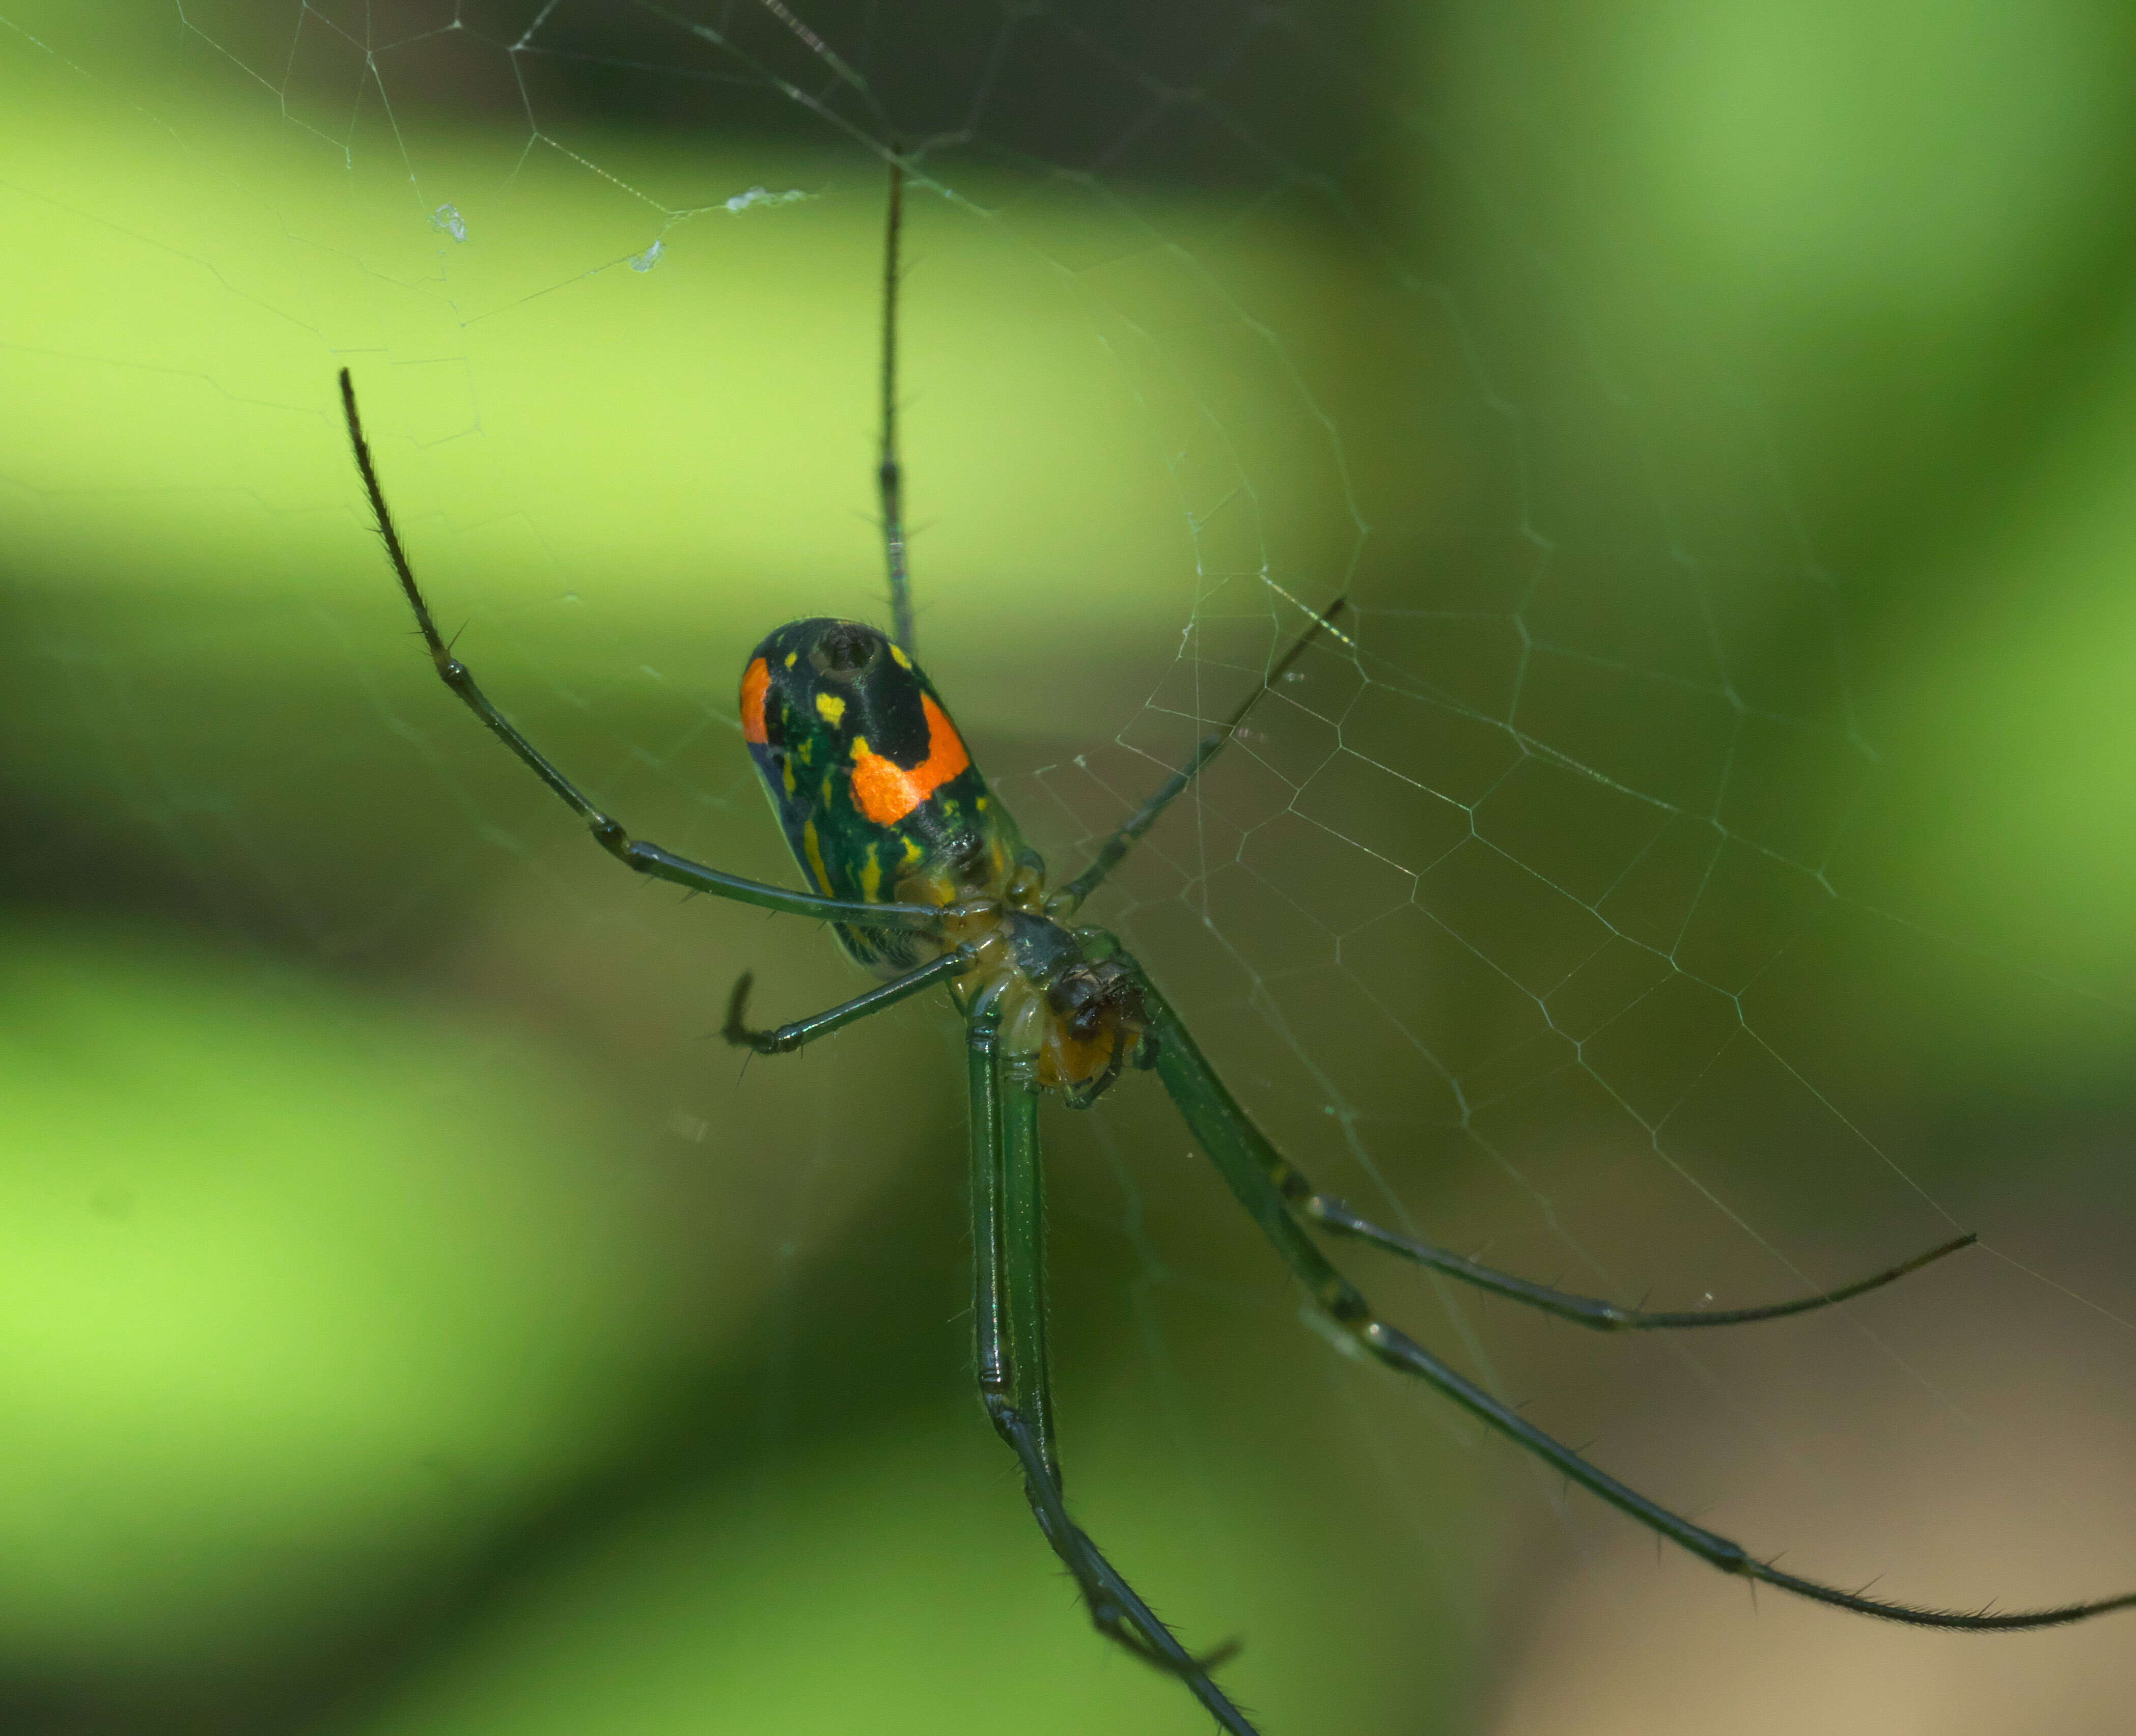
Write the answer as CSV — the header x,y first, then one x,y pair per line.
x,y
1706,875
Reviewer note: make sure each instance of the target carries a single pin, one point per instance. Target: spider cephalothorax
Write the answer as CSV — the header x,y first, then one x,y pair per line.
x,y
1068,1021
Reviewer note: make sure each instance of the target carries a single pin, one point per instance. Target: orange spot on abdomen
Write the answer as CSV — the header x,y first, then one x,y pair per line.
x,y
885,792
755,681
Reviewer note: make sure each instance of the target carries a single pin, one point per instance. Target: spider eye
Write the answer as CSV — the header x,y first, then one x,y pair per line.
x,y
845,650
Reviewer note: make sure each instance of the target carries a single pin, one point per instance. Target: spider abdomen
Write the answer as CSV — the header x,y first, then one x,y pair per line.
x,y
874,787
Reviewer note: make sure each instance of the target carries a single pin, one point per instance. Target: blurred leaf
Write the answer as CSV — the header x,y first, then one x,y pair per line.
x,y
302,1297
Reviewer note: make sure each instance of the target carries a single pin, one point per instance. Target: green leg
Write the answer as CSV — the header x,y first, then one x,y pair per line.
x,y
633,853
1065,902
1008,1333
990,1345
889,471
787,1038
1243,1155
1023,1240
1336,1216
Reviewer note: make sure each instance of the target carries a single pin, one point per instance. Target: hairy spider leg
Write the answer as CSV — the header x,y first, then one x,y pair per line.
x,y
1023,1182
1009,1356
1229,1139
890,472
1338,1217
1115,1609
1065,902
785,1039
633,853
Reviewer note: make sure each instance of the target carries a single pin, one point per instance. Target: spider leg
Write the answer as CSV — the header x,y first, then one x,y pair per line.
x,y
1230,1140
787,1038
890,472
1009,1315
1023,1248
633,853
1115,1610
1064,903
1337,1216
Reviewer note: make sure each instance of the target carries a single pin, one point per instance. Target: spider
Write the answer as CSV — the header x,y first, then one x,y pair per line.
x,y
927,882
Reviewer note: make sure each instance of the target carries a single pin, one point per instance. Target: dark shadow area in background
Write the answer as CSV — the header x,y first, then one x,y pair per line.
x,y
1209,94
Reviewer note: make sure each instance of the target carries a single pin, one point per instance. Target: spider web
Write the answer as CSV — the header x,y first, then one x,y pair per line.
x,y
1692,872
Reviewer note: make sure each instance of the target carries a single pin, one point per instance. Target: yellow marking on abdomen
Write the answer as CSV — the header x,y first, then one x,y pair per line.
x,y
813,847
